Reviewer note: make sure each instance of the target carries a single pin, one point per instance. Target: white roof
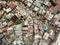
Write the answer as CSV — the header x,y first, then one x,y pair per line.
x,y
46,35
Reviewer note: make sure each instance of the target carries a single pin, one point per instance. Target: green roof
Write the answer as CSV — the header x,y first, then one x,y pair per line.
x,y
37,4
7,17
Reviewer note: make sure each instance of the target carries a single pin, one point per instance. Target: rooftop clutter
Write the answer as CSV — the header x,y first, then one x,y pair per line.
x,y
29,22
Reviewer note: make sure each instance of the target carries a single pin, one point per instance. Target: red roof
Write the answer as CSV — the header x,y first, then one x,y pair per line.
x,y
40,25
58,2
4,31
46,16
55,19
11,4
30,28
